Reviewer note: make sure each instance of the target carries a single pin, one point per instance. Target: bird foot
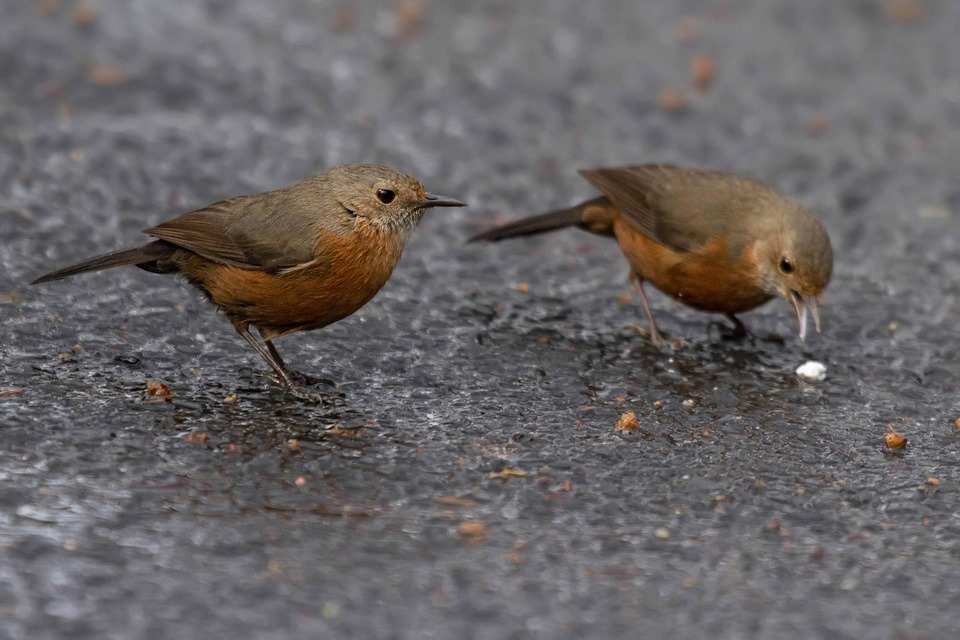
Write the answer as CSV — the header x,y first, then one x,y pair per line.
x,y
740,332
673,344
310,381
299,386
659,340
302,392
735,333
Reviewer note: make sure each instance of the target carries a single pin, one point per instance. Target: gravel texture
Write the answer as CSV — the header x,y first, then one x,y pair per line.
x,y
748,504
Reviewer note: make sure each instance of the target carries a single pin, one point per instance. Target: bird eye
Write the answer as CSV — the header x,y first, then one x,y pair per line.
x,y
785,265
385,196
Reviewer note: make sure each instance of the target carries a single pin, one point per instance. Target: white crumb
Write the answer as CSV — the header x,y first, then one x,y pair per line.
x,y
812,371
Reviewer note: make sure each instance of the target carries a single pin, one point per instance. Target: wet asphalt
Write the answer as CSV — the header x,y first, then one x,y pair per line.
x,y
471,483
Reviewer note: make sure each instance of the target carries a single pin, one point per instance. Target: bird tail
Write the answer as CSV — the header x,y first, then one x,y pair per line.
x,y
144,254
575,216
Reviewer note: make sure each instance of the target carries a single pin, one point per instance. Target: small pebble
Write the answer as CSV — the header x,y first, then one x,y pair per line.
x,y
812,371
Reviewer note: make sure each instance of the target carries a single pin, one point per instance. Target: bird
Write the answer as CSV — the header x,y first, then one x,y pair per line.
x,y
715,241
293,259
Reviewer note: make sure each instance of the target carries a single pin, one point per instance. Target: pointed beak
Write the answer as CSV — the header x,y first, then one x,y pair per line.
x,y
802,304
434,200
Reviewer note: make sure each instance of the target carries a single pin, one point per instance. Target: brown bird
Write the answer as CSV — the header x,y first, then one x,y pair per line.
x,y
297,258
715,241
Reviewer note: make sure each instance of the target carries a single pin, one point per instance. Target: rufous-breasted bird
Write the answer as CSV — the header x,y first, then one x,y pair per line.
x,y
714,241
297,258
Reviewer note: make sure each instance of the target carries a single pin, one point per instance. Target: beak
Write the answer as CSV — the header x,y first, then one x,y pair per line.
x,y
802,304
433,200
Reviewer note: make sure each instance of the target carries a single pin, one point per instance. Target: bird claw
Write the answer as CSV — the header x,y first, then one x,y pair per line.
x,y
298,385
659,340
312,395
740,332
735,333
643,332
310,381
673,344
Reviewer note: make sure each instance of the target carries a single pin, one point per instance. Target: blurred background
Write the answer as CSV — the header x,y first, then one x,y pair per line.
x,y
748,504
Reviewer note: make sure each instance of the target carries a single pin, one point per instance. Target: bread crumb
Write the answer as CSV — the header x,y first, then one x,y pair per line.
x,y
894,440
668,99
812,371
158,392
703,69
107,75
627,423
507,473
473,529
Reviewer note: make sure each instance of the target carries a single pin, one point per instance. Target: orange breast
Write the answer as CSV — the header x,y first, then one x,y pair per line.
x,y
348,272
707,278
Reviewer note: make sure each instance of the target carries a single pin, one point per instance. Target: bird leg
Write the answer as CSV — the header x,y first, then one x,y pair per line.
x,y
276,363
302,378
741,331
655,336
273,352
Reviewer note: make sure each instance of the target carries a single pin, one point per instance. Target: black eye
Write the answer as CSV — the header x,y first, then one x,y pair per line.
x,y
785,265
385,196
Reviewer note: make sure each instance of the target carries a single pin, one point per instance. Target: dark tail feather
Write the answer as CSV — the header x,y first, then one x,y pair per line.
x,y
531,226
145,253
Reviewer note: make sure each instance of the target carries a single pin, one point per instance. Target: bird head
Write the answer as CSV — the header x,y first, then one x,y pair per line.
x,y
384,197
796,261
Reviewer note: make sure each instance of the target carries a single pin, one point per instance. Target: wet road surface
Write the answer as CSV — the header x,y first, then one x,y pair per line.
x,y
749,504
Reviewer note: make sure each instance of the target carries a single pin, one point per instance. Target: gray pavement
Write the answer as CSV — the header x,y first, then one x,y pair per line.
x,y
750,505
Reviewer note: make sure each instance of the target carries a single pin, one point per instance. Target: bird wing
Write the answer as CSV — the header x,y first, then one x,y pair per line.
x,y
263,232
680,208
